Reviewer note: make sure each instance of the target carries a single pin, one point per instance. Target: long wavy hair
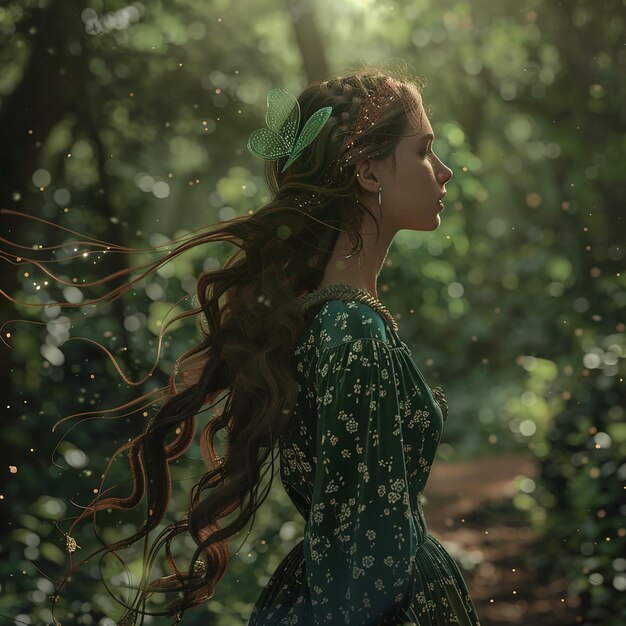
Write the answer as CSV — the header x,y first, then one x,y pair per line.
x,y
249,322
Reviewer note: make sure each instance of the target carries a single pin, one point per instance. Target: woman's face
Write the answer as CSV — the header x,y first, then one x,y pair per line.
x,y
410,195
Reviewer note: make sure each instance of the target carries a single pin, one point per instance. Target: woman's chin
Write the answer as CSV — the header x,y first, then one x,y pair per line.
x,y
433,225
437,218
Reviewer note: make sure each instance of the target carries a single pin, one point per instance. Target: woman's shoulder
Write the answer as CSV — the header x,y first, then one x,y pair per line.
x,y
338,322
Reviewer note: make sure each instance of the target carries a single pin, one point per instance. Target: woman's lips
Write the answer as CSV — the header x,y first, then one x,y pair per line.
x,y
440,201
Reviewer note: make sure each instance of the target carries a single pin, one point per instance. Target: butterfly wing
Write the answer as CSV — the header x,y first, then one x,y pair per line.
x,y
282,119
283,114
266,144
309,132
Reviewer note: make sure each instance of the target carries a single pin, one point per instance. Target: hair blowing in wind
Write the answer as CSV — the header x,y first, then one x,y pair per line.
x,y
248,321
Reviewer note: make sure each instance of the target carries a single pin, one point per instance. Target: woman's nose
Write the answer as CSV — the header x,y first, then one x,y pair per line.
x,y
446,173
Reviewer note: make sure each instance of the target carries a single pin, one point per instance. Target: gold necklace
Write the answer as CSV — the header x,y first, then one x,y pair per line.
x,y
345,292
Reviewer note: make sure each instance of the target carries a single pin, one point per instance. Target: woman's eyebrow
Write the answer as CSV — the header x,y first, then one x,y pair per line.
x,y
427,136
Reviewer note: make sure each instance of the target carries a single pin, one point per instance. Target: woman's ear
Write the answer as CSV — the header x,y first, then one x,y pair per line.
x,y
367,176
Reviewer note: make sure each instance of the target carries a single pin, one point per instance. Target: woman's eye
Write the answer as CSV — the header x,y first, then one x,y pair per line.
x,y
426,153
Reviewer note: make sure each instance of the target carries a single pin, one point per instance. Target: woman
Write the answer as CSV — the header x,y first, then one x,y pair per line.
x,y
366,426
313,371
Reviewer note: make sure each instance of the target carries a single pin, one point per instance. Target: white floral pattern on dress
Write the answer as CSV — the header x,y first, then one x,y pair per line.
x,y
355,462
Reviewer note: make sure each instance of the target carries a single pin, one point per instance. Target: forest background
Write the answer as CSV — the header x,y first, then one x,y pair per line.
x,y
129,121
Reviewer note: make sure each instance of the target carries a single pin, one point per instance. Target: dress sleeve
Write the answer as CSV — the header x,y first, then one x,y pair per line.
x,y
360,537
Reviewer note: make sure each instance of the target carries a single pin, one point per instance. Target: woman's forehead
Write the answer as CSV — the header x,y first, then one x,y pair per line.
x,y
419,129
417,123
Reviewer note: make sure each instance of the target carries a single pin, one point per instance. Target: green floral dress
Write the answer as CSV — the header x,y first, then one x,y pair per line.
x,y
355,462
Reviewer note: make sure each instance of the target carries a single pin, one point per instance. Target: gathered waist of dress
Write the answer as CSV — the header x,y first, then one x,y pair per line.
x,y
296,554
294,559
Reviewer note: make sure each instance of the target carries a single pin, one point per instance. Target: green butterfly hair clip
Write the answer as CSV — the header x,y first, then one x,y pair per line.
x,y
283,119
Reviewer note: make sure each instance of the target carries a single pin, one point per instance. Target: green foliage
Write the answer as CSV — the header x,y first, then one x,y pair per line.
x,y
514,304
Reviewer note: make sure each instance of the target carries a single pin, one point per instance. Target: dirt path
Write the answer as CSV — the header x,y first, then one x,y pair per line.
x,y
469,510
